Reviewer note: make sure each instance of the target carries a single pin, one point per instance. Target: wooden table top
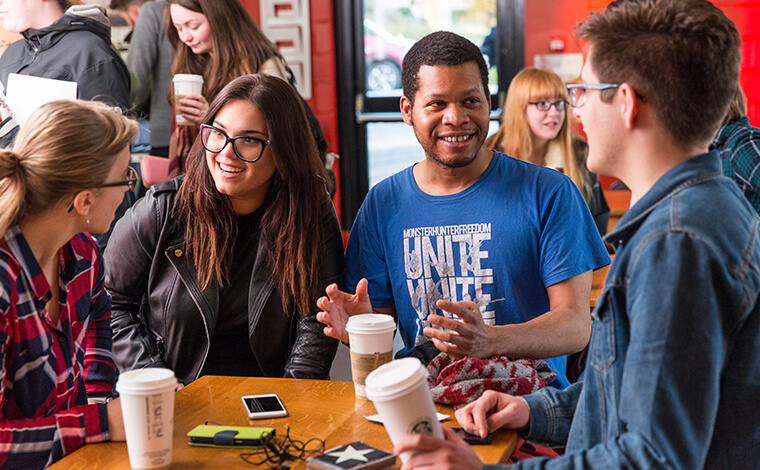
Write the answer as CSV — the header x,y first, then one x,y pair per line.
x,y
316,408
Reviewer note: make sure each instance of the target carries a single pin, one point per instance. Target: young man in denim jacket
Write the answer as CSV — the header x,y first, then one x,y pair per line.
x,y
674,360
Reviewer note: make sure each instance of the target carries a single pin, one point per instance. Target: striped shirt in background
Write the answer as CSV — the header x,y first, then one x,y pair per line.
x,y
49,371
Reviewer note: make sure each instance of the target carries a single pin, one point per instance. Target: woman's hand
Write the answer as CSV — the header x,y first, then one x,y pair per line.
x,y
193,107
338,306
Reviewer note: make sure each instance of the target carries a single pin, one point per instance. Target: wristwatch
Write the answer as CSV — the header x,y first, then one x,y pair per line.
x,y
99,400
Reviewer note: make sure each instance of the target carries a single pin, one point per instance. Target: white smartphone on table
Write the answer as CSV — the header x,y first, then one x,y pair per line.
x,y
263,406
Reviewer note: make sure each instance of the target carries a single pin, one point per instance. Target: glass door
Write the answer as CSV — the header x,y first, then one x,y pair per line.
x,y
373,36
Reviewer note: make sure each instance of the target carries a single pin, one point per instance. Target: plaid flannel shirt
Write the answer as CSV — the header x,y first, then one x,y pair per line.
x,y
49,370
739,147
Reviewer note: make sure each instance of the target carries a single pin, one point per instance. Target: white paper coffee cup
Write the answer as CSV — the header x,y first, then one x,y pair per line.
x,y
147,408
185,84
370,337
400,393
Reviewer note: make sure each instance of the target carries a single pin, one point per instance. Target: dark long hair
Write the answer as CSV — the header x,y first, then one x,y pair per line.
x,y
240,47
293,204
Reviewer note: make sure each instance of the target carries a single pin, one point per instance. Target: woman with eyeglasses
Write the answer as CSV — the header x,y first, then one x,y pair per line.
x,y
218,272
65,176
535,128
219,40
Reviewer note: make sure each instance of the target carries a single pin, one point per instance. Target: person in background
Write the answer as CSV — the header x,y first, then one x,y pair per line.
x,y
72,46
231,257
69,169
488,48
535,129
150,59
739,146
219,40
673,366
128,10
469,233
75,46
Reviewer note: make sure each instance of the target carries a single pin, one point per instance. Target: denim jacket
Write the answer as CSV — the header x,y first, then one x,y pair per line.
x,y
673,372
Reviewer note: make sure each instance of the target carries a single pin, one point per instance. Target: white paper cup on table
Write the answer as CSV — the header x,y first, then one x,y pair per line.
x,y
147,408
185,84
371,341
400,392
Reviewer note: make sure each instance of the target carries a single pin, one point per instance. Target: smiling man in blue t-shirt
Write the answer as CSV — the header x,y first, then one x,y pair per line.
x,y
506,246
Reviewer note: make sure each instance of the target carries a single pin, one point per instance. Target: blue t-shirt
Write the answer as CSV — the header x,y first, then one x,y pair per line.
x,y
501,242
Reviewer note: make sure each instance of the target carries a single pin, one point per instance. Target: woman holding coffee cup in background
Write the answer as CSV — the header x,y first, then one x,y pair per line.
x,y
218,41
66,175
217,272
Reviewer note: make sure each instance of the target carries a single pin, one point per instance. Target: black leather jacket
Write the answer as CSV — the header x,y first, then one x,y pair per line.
x,y
76,47
162,318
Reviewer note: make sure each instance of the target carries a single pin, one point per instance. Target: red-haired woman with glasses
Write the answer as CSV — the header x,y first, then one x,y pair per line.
x,y
217,272
65,176
535,128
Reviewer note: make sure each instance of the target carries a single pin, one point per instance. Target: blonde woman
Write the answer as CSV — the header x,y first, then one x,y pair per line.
x,y
536,129
64,177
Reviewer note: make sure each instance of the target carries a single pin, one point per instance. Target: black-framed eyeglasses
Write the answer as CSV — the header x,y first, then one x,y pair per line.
x,y
247,148
560,105
577,92
131,180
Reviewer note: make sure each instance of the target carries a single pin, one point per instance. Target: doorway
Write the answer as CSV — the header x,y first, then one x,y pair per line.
x,y
372,38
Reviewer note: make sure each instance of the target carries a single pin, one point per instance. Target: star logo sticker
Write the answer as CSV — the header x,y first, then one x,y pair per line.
x,y
351,454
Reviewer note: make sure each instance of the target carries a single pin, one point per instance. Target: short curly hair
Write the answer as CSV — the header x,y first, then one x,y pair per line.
x,y
440,48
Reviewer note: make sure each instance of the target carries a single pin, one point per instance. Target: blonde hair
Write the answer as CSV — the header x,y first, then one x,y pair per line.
x,y
63,148
738,108
514,135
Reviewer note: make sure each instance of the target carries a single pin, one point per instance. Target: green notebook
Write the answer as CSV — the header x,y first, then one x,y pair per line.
x,y
230,436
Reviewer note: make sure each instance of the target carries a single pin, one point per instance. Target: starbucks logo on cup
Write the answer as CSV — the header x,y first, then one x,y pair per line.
x,y
422,426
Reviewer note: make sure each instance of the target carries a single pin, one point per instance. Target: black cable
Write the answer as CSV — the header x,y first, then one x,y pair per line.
x,y
278,451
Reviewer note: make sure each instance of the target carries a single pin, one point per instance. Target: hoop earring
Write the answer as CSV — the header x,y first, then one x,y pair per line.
x,y
88,220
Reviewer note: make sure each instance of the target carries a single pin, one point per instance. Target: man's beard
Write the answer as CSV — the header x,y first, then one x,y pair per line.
x,y
458,162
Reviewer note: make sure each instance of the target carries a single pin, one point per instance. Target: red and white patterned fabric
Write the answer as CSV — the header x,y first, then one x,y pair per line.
x,y
455,381
49,370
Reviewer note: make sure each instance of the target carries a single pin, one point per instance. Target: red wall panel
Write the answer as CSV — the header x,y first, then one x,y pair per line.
x,y
746,15
253,7
545,19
